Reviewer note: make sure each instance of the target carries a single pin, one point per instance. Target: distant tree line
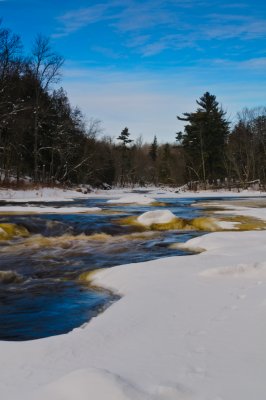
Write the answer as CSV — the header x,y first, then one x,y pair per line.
x,y
45,140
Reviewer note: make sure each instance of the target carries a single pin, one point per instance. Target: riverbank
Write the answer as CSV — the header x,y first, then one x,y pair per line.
x,y
190,327
58,194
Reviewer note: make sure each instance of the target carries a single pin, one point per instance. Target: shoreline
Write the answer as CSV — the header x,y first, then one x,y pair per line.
x,y
186,327
53,195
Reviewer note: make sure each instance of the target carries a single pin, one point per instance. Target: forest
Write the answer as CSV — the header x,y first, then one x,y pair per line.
x,y
45,140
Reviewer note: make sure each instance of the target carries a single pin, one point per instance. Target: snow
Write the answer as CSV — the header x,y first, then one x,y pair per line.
x,y
227,224
42,194
156,217
117,196
132,199
81,384
189,327
259,213
48,210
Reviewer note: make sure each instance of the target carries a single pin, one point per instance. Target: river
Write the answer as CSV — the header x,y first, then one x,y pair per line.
x,y
42,290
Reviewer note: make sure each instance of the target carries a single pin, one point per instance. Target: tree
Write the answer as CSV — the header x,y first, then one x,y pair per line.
x,y
45,66
165,164
246,150
125,156
153,153
124,137
204,139
11,102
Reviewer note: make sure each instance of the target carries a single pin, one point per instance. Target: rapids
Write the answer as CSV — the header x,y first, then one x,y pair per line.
x,y
45,259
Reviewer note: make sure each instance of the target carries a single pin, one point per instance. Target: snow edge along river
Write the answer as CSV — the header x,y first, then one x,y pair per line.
x,y
186,327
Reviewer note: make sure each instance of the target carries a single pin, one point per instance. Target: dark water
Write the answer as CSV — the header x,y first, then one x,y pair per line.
x,y
45,295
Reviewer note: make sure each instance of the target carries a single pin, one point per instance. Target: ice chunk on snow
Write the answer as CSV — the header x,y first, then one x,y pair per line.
x,y
156,217
132,199
227,224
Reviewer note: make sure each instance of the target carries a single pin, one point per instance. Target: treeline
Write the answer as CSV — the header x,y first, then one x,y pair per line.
x,y
46,140
43,139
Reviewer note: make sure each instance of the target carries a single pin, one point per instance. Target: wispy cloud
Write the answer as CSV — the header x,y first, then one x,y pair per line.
x,y
254,64
224,26
116,98
77,19
122,15
151,26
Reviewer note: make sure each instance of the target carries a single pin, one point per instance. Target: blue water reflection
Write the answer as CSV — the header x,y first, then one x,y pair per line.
x,y
45,297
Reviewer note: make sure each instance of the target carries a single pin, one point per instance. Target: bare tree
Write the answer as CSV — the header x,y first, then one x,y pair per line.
x,y
45,66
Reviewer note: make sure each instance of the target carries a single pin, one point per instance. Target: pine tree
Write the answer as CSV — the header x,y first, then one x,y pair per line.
x,y
124,137
154,149
125,155
204,139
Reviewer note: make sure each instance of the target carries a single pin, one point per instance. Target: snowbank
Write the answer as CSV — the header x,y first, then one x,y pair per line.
x,y
179,332
42,194
132,199
48,210
145,196
156,217
259,213
190,327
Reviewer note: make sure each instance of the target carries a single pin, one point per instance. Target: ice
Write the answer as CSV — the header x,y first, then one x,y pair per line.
x,y
187,327
156,217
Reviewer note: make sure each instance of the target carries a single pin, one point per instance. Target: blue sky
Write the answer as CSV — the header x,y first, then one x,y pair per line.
x,y
140,63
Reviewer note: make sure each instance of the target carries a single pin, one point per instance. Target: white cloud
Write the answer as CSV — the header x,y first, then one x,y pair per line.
x,y
150,27
74,20
149,103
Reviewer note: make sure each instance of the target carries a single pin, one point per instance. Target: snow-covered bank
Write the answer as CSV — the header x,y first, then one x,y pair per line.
x,y
259,213
41,194
47,210
132,199
121,196
190,327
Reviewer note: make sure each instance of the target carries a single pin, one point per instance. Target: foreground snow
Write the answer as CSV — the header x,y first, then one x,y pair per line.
x,y
190,327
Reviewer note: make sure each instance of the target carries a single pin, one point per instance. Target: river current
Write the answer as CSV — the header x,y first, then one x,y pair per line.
x,y
43,292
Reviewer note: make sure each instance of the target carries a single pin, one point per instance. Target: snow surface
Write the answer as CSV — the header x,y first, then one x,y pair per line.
x,y
227,224
186,328
132,199
48,210
156,217
259,213
123,196
42,194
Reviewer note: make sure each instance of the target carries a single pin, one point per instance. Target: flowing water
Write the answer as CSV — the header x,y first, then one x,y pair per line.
x,y
42,292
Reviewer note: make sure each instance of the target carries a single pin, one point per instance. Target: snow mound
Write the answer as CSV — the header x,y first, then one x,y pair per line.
x,y
48,210
156,217
132,199
227,224
255,270
94,384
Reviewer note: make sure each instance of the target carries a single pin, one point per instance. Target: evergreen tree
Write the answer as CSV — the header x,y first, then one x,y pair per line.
x,y
154,149
125,156
124,137
204,139
165,164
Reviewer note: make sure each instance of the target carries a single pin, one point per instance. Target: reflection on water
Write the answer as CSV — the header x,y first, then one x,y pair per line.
x,y
40,290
